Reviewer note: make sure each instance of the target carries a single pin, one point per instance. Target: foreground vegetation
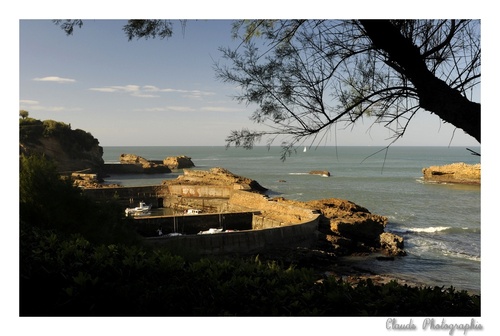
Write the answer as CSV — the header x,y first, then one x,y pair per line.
x,y
83,261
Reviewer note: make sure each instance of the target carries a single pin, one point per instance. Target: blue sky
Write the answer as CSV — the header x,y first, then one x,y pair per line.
x,y
159,92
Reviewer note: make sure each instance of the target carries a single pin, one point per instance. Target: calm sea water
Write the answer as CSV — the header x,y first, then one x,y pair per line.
x,y
441,223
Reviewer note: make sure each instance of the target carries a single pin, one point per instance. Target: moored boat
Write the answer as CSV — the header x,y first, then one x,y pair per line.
x,y
142,208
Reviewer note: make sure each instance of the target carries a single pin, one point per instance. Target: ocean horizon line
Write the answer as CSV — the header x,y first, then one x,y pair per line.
x,y
300,146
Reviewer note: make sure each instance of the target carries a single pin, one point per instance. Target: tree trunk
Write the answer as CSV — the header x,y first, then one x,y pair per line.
x,y
434,94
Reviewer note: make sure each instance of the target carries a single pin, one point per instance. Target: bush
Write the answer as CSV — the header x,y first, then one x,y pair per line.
x,y
48,202
61,277
30,130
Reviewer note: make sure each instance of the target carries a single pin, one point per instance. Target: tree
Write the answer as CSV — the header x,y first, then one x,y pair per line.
x,y
24,114
314,74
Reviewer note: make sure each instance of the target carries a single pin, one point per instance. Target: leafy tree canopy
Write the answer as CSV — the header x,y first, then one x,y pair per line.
x,y
307,75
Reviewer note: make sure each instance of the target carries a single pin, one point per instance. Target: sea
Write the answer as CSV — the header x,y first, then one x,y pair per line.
x,y
440,223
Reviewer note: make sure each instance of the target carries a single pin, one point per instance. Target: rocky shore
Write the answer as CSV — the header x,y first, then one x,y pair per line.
x,y
453,173
344,228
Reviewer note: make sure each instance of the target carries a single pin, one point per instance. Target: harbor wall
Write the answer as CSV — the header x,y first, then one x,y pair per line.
x,y
179,197
192,224
242,242
259,223
129,196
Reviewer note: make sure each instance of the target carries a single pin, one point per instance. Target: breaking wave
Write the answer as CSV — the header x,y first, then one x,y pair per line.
x,y
437,229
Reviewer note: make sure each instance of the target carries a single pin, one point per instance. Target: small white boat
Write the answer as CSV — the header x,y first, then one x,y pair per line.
x,y
193,212
142,208
210,231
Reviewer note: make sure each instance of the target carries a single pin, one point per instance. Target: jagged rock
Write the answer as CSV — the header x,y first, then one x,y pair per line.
x,y
325,173
132,158
350,220
216,176
360,227
141,165
454,173
178,162
349,227
392,244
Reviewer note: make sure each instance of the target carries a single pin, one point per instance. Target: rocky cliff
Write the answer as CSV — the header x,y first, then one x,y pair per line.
x,y
71,150
454,173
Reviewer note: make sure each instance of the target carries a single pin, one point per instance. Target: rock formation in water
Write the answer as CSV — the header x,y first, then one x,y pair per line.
x,y
131,163
178,162
454,173
216,176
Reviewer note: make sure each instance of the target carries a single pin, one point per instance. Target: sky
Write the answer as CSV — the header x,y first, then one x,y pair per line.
x,y
161,92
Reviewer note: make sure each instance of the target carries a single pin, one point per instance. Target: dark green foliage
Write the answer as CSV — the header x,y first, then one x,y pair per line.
x,y
30,130
74,277
148,28
73,141
48,202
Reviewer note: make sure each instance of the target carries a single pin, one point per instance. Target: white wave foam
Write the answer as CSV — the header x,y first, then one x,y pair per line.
x,y
429,229
462,255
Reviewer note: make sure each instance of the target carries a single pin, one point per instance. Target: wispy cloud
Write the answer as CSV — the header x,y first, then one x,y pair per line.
x,y
33,105
170,109
182,108
150,91
54,79
28,102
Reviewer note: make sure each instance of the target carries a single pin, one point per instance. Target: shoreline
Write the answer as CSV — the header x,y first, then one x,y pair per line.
x,y
325,264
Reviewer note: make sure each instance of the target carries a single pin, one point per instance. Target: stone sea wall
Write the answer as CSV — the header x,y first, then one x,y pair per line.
x,y
243,242
341,226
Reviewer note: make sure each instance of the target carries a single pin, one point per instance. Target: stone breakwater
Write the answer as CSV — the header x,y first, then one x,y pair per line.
x,y
344,226
454,173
